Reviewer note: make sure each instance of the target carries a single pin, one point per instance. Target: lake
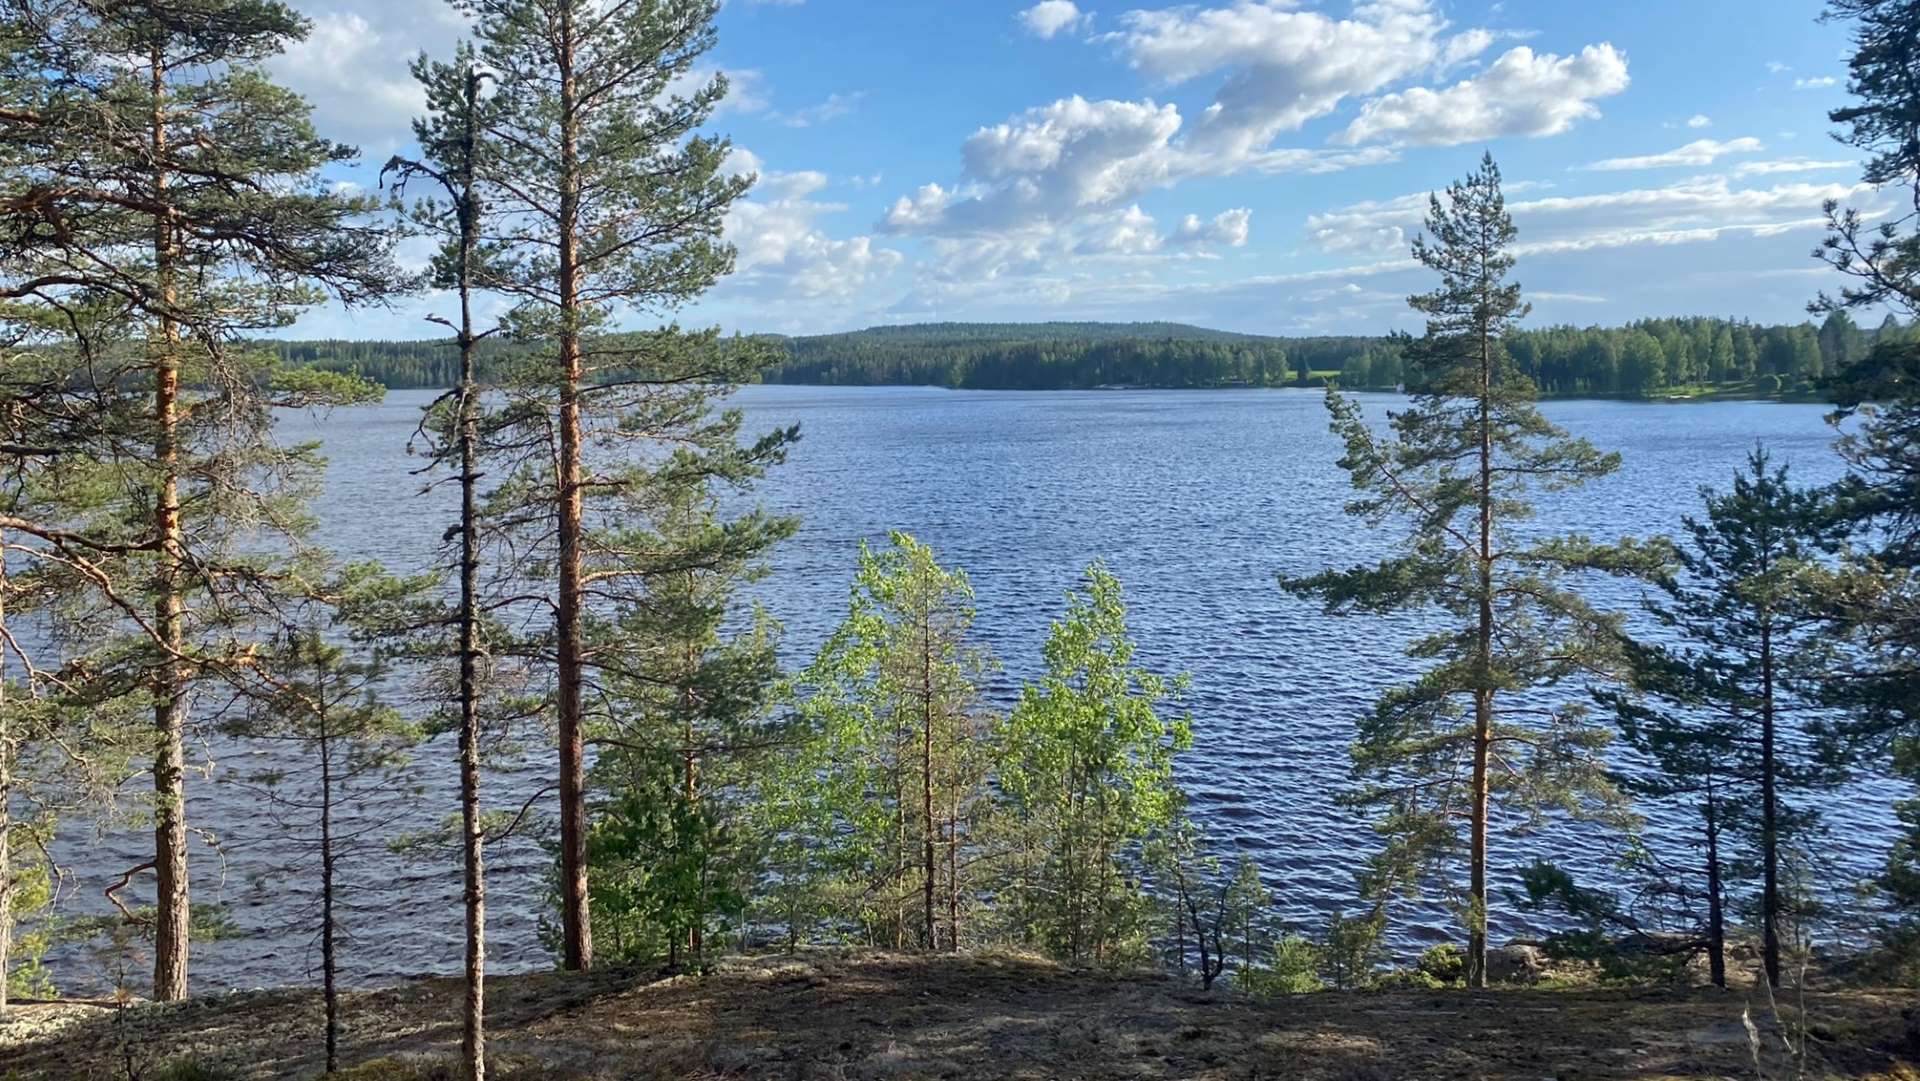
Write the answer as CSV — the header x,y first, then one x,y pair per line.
x,y
1196,499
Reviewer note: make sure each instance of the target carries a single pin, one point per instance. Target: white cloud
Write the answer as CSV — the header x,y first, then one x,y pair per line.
x,y
1686,212
1285,66
1520,94
1697,153
833,107
354,73
1050,18
1229,228
1789,165
783,253
1816,82
1699,120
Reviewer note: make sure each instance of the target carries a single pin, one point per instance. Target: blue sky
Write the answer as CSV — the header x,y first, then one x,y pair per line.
x,y
1256,165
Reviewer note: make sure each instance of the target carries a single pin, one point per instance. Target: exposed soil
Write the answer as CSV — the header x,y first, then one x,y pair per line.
x,y
857,1016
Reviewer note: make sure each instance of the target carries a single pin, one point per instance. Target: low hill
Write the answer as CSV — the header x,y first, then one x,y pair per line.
x,y
869,1016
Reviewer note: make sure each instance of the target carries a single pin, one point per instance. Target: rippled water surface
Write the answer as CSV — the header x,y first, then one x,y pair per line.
x,y
1196,499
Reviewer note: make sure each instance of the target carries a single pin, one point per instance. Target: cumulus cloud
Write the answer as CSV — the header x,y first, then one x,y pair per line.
x,y
1229,228
1285,66
1697,153
354,73
1699,120
1817,82
1519,94
1050,18
783,253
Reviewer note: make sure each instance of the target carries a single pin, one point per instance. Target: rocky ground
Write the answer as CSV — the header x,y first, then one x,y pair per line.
x,y
855,1016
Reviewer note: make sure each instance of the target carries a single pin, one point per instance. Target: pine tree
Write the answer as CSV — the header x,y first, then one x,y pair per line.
x,y
165,196
319,704
1461,467
1873,595
449,138
607,201
689,725
1735,699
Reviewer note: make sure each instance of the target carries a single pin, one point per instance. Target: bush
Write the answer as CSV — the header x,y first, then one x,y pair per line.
x,y
1444,964
1351,952
1294,970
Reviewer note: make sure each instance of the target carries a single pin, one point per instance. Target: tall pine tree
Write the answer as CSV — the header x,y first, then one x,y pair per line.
x,y
1461,468
164,199
607,203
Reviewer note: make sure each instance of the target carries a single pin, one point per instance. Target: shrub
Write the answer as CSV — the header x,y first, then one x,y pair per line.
x,y
1444,964
1294,970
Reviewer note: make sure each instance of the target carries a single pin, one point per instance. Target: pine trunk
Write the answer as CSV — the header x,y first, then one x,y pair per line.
x,y
1769,813
576,920
473,1038
1716,914
1483,693
328,962
6,802
170,693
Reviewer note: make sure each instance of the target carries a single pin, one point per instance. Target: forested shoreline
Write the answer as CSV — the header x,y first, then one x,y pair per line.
x,y
1669,359
586,614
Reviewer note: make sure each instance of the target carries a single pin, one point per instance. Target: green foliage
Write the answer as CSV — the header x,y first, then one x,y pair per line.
x,y
1089,774
1444,964
891,782
1351,950
1728,357
1461,469
1293,968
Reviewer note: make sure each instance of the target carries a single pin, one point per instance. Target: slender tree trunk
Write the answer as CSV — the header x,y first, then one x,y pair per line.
x,y
927,825
473,1035
691,774
576,920
953,870
1483,692
1769,812
1716,914
170,690
328,963
6,801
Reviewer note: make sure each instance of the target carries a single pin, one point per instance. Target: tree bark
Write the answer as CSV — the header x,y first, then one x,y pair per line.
x,y
1483,693
329,989
170,920
576,919
473,1029
1769,812
927,824
1716,914
6,801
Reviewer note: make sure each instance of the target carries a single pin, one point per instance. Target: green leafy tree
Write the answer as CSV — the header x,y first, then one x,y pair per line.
x,y
605,201
1087,771
892,708
1461,467
168,204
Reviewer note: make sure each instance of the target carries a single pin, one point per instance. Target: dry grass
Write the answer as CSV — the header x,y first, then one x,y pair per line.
x,y
879,1017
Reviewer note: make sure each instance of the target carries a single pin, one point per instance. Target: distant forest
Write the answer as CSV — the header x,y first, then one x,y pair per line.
x,y
1648,358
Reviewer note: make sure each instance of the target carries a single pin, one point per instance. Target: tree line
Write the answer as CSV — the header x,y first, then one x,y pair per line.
x,y
1672,357
166,208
